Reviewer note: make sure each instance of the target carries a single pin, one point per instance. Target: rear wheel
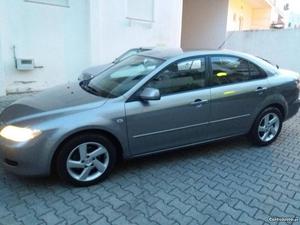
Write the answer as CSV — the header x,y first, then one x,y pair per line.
x,y
267,127
86,159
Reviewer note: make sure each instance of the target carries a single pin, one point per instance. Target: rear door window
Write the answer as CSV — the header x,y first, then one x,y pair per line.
x,y
229,70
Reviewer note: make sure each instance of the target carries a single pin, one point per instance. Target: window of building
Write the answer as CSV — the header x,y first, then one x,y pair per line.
x,y
181,77
62,3
142,10
230,70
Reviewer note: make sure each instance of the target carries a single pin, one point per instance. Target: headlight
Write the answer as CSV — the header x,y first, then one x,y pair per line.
x,y
18,134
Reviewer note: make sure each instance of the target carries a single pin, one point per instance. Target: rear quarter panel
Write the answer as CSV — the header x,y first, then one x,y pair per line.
x,y
282,90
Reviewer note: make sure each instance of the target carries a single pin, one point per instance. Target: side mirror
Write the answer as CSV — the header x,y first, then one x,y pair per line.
x,y
149,94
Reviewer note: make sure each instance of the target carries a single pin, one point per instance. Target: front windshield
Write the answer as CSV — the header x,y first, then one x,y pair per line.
x,y
120,78
127,54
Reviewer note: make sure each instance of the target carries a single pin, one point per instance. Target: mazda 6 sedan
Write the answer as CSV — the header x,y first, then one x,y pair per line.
x,y
148,103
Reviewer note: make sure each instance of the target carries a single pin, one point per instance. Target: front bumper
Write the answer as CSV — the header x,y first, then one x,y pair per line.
x,y
28,159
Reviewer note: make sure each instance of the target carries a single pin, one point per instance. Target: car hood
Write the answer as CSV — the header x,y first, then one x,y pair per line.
x,y
96,69
60,98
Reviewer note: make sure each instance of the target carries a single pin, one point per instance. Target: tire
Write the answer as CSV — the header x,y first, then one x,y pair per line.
x,y
86,159
263,133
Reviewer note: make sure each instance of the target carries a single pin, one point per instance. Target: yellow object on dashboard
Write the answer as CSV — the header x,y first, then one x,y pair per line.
x,y
222,74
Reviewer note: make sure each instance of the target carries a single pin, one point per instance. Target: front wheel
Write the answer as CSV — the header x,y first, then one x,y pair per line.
x,y
85,159
267,127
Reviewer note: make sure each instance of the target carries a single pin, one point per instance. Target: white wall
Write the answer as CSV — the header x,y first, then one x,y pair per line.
x,y
67,40
2,83
279,46
113,33
56,37
204,23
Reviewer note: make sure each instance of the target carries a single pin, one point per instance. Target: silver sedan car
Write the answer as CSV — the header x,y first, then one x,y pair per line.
x,y
151,102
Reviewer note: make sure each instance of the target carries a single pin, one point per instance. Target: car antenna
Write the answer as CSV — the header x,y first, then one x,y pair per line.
x,y
226,39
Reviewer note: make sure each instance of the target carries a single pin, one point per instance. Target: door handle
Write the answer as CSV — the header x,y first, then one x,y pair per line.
x,y
259,89
199,102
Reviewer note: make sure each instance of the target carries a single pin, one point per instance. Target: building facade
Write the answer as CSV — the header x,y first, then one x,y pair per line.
x,y
63,37
252,14
57,39
206,23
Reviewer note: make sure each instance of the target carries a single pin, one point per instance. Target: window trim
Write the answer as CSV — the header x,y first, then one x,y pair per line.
x,y
211,75
134,96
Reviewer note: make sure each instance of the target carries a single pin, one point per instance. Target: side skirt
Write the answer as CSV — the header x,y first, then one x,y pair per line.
x,y
185,146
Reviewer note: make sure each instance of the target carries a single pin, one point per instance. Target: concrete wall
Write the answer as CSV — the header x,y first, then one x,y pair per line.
x,y
204,23
279,46
56,37
116,34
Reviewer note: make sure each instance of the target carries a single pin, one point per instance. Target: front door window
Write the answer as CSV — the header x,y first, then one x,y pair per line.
x,y
181,76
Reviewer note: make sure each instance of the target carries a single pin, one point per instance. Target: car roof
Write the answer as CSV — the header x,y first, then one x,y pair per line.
x,y
142,48
169,53
177,54
163,53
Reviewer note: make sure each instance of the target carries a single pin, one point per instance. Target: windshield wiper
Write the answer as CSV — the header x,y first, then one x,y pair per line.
x,y
98,92
92,89
85,86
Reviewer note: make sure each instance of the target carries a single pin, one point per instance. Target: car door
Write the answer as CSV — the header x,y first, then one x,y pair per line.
x,y
180,117
238,86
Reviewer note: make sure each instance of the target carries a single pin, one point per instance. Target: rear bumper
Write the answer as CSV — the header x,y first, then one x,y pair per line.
x,y
293,109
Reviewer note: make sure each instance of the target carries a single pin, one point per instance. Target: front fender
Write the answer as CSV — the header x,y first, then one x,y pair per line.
x,y
113,127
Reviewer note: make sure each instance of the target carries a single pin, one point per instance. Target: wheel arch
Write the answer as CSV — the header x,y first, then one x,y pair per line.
x,y
253,133
277,101
280,107
109,135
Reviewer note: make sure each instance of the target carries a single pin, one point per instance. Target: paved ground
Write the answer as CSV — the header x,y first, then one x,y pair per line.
x,y
229,182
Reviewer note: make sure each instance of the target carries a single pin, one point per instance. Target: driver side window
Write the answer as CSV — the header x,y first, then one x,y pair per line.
x,y
181,76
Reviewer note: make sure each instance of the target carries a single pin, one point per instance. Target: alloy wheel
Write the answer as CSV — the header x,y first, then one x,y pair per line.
x,y
268,127
87,161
